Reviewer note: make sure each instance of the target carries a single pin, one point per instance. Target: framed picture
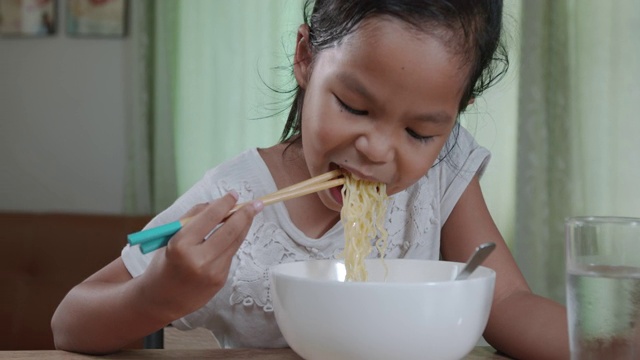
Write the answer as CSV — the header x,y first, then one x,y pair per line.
x,y
96,18
27,17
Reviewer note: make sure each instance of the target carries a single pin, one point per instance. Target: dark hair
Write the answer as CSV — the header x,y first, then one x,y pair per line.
x,y
478,21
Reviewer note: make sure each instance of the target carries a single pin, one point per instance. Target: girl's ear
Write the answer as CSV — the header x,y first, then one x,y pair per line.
x,y
471,101
302,57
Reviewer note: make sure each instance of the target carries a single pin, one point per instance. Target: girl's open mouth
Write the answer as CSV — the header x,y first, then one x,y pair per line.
x,y
336,194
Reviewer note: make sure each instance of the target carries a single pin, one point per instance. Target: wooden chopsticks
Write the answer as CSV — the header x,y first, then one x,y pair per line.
x,y
310,186
155,238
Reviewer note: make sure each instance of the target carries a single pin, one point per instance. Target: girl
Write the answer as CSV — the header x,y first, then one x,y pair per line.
x,y
380,88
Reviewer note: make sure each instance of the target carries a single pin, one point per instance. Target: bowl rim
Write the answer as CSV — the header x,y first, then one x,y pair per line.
x,y
273,270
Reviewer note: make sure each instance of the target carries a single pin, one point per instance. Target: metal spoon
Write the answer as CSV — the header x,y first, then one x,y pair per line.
x,y
476,259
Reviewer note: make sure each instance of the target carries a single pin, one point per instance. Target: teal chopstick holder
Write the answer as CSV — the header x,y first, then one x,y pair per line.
x,y
154,238
155,233
155,244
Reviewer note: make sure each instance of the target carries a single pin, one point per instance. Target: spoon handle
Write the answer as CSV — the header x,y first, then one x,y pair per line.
x,y
478,256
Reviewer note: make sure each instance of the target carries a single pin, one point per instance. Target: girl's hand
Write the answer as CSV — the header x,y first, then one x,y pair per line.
x,y
190,270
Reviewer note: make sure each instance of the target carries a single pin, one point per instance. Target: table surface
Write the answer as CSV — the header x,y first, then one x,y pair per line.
x,y
479,353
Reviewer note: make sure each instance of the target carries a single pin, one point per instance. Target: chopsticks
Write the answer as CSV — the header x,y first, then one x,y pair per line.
x,y
157,237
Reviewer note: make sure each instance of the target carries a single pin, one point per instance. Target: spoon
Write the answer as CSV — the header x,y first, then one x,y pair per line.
x,y
478,256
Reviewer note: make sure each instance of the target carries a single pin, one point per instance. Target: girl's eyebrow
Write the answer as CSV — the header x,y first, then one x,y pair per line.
x,y
355,85
438,118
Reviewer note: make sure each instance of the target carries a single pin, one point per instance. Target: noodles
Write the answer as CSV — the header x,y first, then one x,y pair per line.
x,y
363,212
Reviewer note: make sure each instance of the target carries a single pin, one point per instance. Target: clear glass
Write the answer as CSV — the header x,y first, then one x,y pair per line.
x,y
603,287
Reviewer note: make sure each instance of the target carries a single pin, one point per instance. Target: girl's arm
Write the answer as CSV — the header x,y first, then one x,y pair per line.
x,y
110,309
105,312
521,324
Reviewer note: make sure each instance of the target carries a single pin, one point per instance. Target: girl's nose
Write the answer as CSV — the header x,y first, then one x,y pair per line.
x,y
376,145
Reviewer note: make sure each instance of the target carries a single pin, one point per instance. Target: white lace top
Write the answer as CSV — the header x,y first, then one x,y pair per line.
x,y
241,313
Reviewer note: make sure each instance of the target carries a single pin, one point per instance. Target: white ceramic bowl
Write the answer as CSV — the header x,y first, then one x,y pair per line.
x,y
418,312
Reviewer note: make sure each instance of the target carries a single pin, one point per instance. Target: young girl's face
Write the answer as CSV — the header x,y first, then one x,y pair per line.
x,y
380,105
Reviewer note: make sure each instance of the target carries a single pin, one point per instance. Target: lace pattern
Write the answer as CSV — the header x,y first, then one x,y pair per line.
x,y
264,247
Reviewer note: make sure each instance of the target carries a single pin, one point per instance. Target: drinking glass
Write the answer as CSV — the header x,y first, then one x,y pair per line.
x,y
603,287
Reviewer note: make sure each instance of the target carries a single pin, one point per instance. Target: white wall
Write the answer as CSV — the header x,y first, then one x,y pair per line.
x,y
62,116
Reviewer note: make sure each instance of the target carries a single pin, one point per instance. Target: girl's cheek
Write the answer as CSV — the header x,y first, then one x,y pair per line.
x,y
325,127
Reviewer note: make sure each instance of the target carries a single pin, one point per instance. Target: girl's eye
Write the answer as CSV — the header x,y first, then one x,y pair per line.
x,y
350,109
418,137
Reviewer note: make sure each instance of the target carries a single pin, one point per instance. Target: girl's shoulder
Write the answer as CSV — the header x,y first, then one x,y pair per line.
x,y
462,159
246,165
247,160
245,173
462,156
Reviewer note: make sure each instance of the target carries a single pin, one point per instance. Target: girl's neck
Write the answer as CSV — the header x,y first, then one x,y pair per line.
x,y
307,213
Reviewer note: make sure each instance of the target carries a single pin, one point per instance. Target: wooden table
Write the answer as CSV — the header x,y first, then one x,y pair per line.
x,y
479,353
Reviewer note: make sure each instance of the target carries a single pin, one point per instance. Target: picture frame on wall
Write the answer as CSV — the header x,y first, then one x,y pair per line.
x,y
96,18
28,18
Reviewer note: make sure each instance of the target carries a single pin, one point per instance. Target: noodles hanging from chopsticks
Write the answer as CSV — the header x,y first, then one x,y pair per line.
x,y
364,205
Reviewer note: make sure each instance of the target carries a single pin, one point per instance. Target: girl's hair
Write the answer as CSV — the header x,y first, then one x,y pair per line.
x,y
470,28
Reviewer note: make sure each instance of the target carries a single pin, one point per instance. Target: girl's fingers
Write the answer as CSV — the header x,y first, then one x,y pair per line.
x,y
234,230
207,219
194,210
